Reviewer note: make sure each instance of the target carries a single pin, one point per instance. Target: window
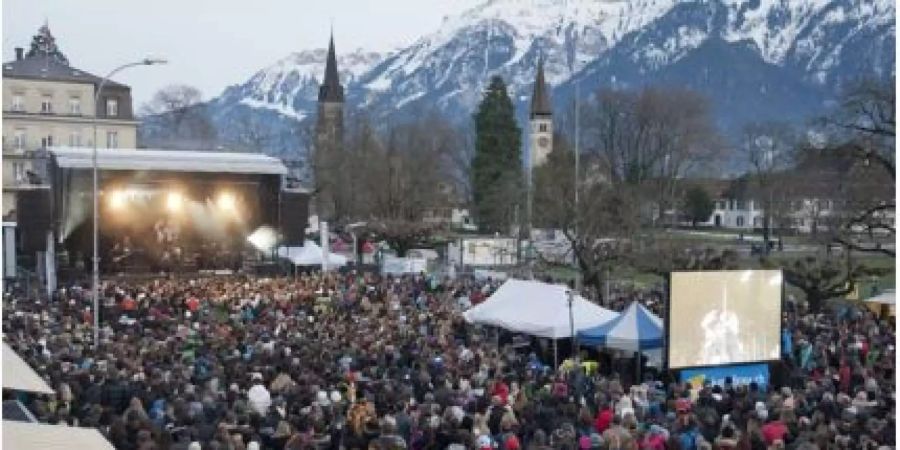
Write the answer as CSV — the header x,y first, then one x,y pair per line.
x,y
112,139
46,104
542,128
47,141
18,171
740,221
75,139
112,107
19,139
74,105
18,103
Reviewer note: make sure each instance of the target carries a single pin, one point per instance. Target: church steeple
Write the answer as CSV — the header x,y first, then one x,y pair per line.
x,y
331,89
540,99
541,119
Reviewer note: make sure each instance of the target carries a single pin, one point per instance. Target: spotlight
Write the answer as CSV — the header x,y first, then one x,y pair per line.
x,y
174,201
117,199
227,202
263,239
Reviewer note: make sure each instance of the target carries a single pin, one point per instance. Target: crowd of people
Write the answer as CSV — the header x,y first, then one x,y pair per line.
x,y
361,361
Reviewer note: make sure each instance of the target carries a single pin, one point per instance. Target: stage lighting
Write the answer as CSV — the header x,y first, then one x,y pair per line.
x,y
263,239
174,201
117,199
226,202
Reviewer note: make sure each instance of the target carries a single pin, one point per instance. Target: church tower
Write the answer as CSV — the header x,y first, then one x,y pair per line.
x,y
329,138
541,118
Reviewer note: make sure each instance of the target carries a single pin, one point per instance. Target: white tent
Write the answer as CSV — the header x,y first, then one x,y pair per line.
x,y
538,309
38,436
310,255
19,376
884,298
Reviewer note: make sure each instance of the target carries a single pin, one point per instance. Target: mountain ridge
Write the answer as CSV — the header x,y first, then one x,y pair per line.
x,y
773,59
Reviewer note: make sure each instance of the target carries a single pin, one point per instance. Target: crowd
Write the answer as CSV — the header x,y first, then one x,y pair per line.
x,y
351,361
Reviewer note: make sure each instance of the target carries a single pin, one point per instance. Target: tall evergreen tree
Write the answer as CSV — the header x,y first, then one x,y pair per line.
x,y
497,179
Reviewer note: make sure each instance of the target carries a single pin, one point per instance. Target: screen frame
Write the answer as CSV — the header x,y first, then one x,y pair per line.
x,y
668,310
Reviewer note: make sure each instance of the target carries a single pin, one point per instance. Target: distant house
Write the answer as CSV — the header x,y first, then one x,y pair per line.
x,y
811,197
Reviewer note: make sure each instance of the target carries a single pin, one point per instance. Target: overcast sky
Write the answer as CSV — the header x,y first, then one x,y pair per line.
x,y
211,44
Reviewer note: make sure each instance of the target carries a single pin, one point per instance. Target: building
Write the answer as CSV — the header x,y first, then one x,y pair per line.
x,y
541,120
329,137
47,102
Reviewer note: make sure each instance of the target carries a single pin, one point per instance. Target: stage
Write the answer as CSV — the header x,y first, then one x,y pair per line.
x,y
167,210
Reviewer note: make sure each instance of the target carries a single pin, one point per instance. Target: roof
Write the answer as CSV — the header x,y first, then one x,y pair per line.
x,y
38,436
19,376
42,67
540,99
331,89
168,160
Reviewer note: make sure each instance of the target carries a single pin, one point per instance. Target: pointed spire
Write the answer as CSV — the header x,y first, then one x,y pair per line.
x,y
331,89
44,44
540,99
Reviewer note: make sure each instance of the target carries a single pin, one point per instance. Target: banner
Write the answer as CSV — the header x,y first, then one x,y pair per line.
x,y
397,266
740,375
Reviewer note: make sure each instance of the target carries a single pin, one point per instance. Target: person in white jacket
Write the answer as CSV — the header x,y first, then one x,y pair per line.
x,y
258,396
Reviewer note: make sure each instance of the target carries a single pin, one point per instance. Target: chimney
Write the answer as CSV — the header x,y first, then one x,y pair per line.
x,y
19,51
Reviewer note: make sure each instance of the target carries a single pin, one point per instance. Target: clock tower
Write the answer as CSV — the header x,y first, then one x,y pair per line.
x,y
541,118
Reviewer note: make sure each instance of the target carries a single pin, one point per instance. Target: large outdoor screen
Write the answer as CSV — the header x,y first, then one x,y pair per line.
x,y
724,317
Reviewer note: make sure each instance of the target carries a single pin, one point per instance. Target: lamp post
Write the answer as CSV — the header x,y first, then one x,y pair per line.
x,y
95,269
571,301
350,228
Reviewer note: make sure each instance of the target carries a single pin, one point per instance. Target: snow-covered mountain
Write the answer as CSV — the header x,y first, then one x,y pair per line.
x,y
755,59
290,86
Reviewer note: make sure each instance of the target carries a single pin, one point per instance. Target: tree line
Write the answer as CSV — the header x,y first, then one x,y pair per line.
x,y
644,154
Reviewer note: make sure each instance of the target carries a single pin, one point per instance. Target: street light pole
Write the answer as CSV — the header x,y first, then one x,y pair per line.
x,y
572,326
95,269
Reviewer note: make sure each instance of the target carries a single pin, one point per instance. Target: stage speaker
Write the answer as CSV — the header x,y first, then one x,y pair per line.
x,y
294,217
34,218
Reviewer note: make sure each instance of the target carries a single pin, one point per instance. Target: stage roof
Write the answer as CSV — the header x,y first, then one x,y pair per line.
x,y
168,160
38,436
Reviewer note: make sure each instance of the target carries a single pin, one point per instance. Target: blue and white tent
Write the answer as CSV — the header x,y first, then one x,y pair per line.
x,y
635,330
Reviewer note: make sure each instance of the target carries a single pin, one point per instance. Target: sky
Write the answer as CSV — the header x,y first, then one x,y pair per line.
x,y
211,44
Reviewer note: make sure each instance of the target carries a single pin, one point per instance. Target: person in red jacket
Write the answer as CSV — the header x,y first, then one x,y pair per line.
x,y
844,376
501,390
774,430
604,418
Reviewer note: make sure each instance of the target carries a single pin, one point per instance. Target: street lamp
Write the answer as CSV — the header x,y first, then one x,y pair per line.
x,y
95,269
350,228
571,301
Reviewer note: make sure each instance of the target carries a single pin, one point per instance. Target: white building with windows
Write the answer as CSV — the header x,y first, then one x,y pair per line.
x,y
46,103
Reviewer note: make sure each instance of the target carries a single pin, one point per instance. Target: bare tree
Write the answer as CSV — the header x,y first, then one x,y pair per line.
x,y
180,111
865,123
651,139
768,148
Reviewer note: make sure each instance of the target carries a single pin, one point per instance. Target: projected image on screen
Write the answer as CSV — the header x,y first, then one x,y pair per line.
x,y
724,317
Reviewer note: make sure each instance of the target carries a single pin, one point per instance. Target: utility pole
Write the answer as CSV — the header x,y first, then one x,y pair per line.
x,y
576,185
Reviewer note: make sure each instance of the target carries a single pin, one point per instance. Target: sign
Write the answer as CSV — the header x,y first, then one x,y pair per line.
x,y
488,252
398,266
741,375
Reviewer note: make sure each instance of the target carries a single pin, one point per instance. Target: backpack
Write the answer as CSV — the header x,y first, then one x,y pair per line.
x,y
688,439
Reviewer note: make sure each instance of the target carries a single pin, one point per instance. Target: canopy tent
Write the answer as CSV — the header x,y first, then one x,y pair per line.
x,y
884,298
883,304
38,436
310,254
635,330
19,376
537,309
